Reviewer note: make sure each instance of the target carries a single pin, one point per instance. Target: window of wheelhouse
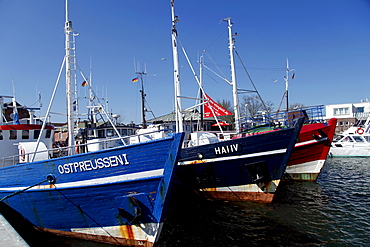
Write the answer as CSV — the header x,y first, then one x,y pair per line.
x,y
101,133
25,134
110,133
36,134
124,132
48,134
13,135
1,135
358,139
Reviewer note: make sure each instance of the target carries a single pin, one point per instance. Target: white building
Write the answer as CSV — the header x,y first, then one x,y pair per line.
x,y
347,114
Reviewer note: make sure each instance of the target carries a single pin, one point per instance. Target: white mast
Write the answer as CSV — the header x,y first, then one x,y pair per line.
x,y
287,84
201,96
233,75
71,93
176,74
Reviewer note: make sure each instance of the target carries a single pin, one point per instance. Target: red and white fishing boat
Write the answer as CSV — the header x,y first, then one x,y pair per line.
x,y
314,140
19,132
311,149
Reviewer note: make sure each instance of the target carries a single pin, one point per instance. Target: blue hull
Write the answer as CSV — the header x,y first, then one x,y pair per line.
x,y
242,169
117,195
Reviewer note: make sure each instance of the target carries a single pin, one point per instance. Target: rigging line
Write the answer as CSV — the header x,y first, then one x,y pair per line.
x,y
234,194
198,81
149,108
79,208
47,114
216,39
103,108
250,78
228,82
282,98
214,63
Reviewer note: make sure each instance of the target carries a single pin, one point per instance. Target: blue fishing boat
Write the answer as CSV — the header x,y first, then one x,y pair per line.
x,y
117,195
242,169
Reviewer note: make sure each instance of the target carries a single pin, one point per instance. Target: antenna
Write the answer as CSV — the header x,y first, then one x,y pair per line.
x,y
143,95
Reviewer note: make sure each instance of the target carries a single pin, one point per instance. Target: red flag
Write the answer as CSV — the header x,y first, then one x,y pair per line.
x,y
293,76
217,109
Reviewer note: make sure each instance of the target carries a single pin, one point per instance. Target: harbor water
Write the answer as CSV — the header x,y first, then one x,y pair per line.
x,y
333,211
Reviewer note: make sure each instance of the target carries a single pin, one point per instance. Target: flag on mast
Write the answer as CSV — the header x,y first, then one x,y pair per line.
x,y
217,109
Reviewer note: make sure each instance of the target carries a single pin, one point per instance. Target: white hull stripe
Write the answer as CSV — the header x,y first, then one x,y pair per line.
x,y
140,232
278,151
97,181
314,166
299,144
248,188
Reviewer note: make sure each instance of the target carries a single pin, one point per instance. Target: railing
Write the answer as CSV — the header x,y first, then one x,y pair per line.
x,y
283,118
82,148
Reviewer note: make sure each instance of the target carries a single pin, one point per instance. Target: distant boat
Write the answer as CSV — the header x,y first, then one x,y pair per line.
x,y
354,142
116,195
310,152
314,140
19,130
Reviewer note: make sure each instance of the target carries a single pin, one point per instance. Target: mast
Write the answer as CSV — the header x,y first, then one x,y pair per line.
x,y
287,84
71,92
201,96
143,109
176,74
233,75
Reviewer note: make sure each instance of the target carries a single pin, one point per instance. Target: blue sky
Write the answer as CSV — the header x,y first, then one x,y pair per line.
x,y
326,42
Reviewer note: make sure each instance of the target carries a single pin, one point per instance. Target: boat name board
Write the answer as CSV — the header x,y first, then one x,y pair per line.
x,y
227,149
89,165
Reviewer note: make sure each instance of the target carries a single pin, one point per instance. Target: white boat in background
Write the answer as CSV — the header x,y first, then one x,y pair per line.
x,y
354,142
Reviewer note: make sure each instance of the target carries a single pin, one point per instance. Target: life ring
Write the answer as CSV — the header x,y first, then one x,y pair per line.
x,y
23,155
360,131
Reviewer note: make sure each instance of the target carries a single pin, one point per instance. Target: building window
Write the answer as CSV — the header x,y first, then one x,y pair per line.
x,y
341,111
360,110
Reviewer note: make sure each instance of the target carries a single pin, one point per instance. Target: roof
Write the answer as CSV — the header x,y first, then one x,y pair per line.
x,y
189,115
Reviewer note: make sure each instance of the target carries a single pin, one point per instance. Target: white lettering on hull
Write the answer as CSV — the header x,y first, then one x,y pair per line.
x,y
89,165
226,149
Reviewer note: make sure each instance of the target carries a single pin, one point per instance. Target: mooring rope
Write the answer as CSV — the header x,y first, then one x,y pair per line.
x,y
87,215
51,180
20,191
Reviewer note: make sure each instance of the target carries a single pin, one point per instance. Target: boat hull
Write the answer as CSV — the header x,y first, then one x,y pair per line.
x,y
310,152
350,152
241,169
117,195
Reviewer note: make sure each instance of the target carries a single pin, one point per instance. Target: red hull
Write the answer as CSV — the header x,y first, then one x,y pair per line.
x,y
310,152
